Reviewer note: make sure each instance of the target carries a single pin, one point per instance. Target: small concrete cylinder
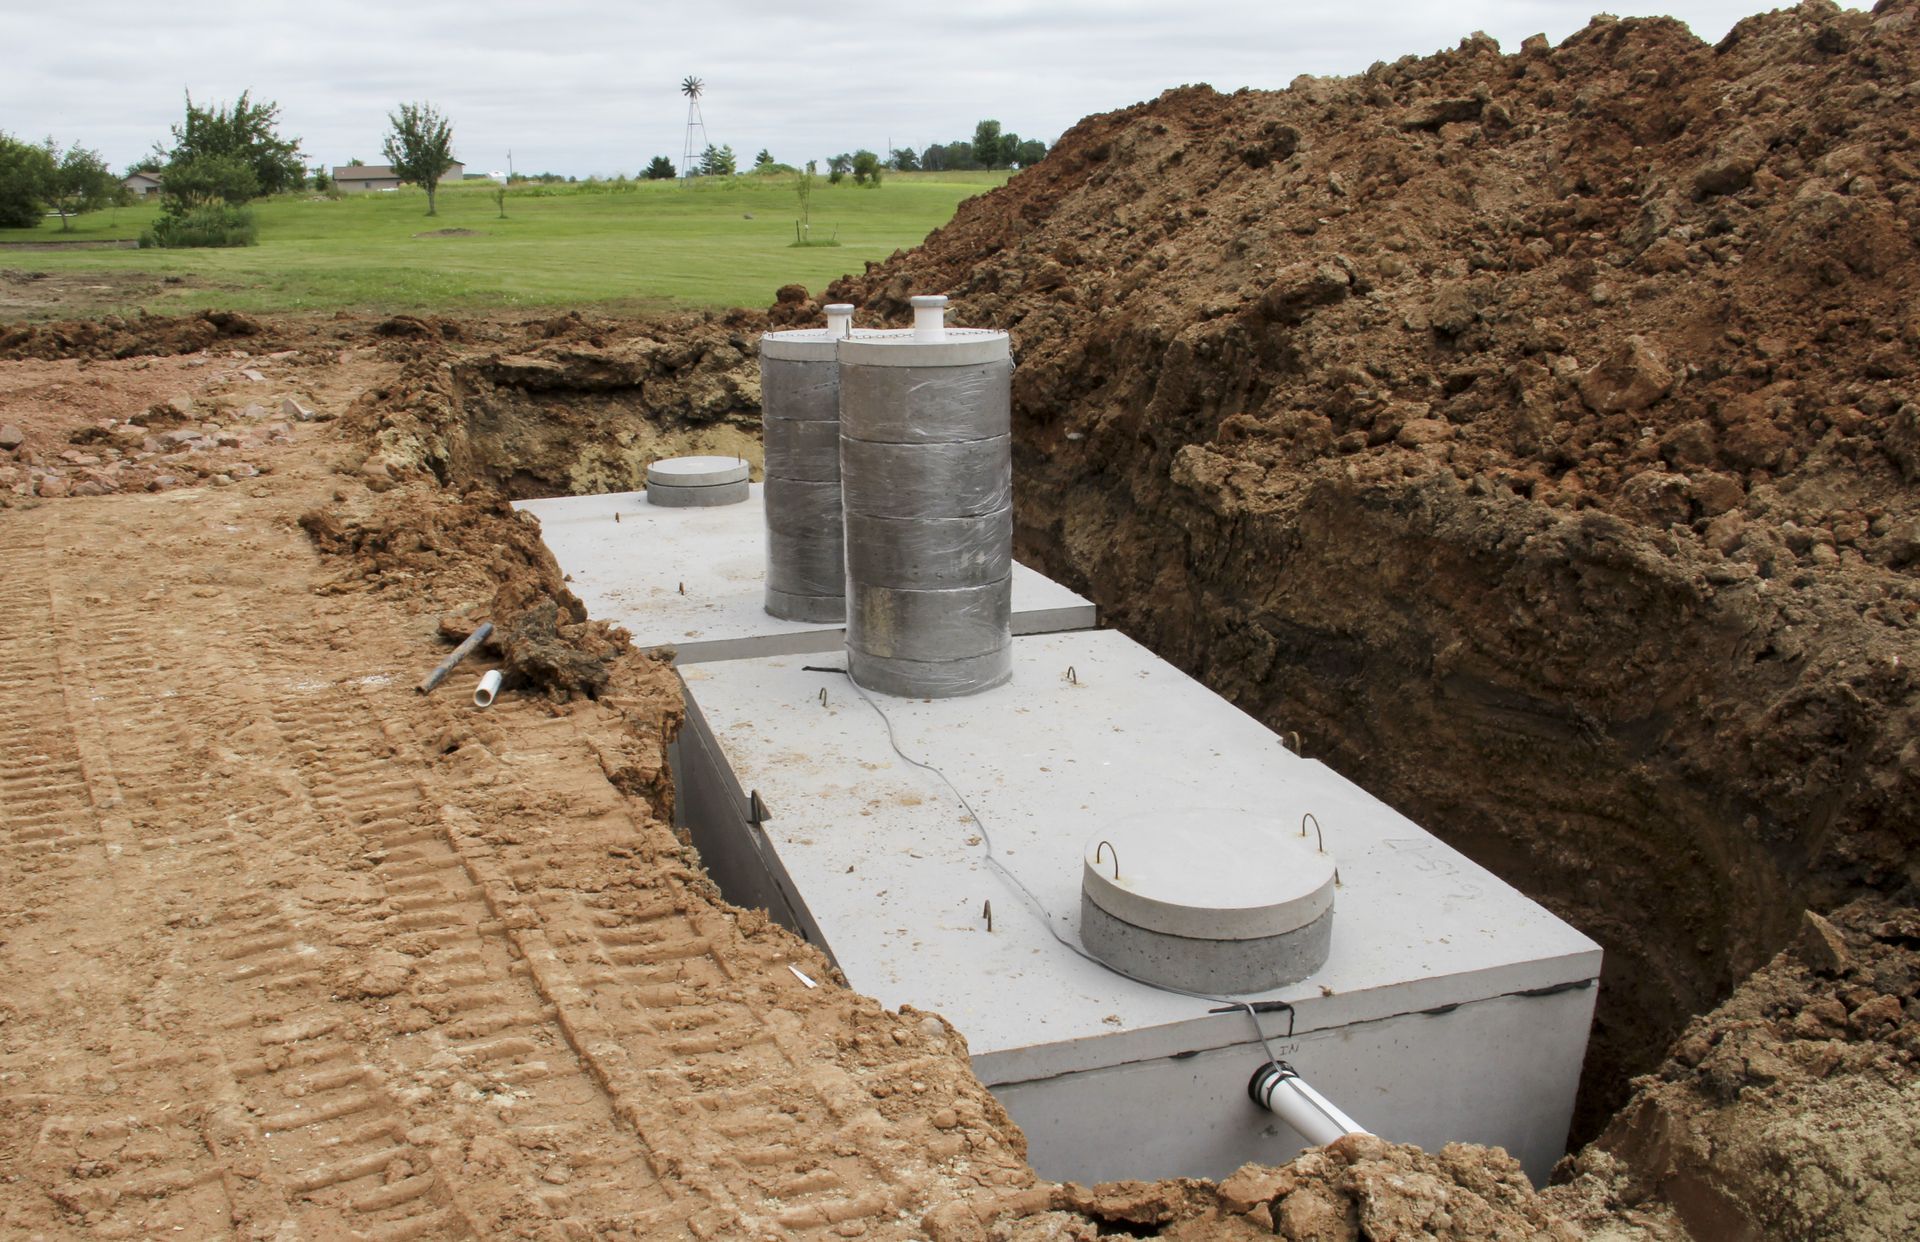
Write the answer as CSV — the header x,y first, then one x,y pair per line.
x,y
926,474
1208,902
697,482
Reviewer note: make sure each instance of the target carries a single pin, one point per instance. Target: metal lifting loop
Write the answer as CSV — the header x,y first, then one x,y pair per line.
x,y
1073,678
1108,846
1321,836
986,912
823,696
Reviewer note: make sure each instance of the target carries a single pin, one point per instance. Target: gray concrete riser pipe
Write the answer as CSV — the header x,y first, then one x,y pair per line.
x,y
800,417
930,554
926,475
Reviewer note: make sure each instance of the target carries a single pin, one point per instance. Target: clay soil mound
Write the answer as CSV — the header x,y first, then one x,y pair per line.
x,y
118,337
1535,433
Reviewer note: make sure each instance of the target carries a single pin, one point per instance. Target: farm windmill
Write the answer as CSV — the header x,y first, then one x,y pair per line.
x,y
692,88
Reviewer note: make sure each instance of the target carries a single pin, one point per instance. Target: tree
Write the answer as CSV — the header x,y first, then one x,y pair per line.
x,y
1029,153
26,173
248,132
661,169
420,147
803,186
322,180
717,161
81,181
838,166
866,168
905,159
763,160
986,145
206,180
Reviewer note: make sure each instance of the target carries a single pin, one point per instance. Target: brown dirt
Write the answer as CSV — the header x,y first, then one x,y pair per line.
x,y
1536,434
295,951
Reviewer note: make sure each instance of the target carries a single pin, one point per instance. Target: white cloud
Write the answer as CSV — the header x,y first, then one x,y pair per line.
x,y
586,86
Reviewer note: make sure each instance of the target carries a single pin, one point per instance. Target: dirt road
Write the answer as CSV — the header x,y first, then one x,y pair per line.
x,y
294,952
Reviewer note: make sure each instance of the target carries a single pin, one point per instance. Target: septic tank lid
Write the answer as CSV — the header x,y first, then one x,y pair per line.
x,y
697,471
1208,874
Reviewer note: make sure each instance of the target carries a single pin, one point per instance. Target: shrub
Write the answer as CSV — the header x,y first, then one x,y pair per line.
x,y
216,225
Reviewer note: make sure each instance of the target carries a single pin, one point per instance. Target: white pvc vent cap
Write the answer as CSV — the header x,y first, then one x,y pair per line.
x,y
697,471
1208,874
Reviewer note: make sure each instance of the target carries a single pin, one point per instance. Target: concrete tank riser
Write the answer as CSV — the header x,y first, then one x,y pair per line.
x,y
800,418
1224,967
933,554
898,405
926,477
930,625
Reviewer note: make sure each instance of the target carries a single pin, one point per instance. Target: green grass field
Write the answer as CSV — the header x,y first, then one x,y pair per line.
x,y
647,246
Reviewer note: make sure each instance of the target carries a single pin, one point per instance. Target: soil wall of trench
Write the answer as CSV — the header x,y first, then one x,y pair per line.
x,y
1630,733
1534,434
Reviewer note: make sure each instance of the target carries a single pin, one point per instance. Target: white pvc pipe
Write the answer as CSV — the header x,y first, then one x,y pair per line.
x,y
1282,1092
839,320
488,689
929,317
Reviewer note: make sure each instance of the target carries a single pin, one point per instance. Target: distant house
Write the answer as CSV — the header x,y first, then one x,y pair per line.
x,y
142,184
361,178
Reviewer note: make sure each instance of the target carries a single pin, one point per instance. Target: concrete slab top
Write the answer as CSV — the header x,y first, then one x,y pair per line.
x,y
1207,873
695,579
697,471
892,868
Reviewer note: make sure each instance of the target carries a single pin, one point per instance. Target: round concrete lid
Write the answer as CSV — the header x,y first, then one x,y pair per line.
x,y
1209,874
815,345
697,471
961,347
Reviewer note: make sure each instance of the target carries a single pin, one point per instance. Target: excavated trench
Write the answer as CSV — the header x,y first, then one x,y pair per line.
x,y
1401,630
1573,702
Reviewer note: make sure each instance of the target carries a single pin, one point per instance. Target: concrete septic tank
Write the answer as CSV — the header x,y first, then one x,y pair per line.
x,y
695,579
1448,1005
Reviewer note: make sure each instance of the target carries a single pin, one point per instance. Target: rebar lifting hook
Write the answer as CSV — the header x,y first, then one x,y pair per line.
x,y
1321,836
1108,846
986,912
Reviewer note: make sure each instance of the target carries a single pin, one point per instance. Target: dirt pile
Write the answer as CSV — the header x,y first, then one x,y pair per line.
x,y
474,546
1357,1188
1535,434
116,337
568,405
1789,1112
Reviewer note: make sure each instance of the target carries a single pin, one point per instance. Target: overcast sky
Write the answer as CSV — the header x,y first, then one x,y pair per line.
x,y
591,86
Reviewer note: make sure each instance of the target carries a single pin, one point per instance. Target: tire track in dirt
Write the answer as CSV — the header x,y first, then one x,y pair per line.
x,y
44,806
309,1104
305,954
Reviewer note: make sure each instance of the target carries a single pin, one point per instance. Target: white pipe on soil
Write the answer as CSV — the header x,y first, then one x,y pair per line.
x,y
1282,1092
929,317
487,690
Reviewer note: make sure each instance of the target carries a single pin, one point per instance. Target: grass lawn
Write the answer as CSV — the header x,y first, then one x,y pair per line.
x,y
649,245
